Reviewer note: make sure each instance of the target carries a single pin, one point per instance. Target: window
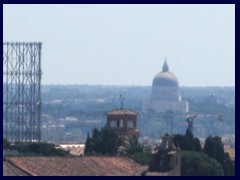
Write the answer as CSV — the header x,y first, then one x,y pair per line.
x,y
130,124
167,144
120,123
113,123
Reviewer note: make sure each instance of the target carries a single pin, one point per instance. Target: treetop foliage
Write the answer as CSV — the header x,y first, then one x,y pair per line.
x,y
104,142
36,149
199,164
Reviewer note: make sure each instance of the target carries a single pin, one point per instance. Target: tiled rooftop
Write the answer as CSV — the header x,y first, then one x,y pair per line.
x,y
77,166
121,112
10,170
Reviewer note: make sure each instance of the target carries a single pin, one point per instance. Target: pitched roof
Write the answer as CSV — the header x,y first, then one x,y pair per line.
x,y
78,166
121,111
10,169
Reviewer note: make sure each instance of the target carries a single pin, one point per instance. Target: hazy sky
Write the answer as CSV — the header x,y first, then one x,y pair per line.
x,y
127,44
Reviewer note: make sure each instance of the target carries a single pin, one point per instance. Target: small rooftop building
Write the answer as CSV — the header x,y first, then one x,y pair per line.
x,y
168,157
123,122
174,154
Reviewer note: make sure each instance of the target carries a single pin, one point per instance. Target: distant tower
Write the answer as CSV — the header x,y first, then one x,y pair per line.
x,y
22,91
123,122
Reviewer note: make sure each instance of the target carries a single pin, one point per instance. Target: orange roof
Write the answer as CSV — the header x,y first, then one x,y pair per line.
x,y
77,166
10,170
121,112
230,151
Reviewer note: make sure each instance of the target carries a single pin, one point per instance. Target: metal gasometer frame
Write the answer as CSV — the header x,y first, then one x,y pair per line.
x,y
22,91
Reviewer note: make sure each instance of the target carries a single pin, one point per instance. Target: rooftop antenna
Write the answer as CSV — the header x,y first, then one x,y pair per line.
x,y
121,98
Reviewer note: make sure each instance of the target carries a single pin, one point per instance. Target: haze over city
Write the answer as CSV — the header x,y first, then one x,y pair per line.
x,y
119,90
127,44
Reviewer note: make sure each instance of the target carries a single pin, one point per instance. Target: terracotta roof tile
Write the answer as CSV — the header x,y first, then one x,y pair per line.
x,y
121,112
10,170
78,166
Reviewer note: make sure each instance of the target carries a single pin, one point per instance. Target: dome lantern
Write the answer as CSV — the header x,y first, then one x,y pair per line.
x,y
165,67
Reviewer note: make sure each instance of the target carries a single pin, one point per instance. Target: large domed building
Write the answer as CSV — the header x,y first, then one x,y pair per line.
x,y
165,94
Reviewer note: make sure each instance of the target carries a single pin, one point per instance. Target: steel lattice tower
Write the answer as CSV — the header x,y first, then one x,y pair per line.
x,y
22,91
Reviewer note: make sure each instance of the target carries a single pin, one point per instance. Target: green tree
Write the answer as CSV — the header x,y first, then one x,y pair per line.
x,y
199,164
88,144
189,133
184,142
135,150
229,166
143,158
209,147
103,141
6,144
219,148
132,145
197,144
111,141
39,149
214,148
